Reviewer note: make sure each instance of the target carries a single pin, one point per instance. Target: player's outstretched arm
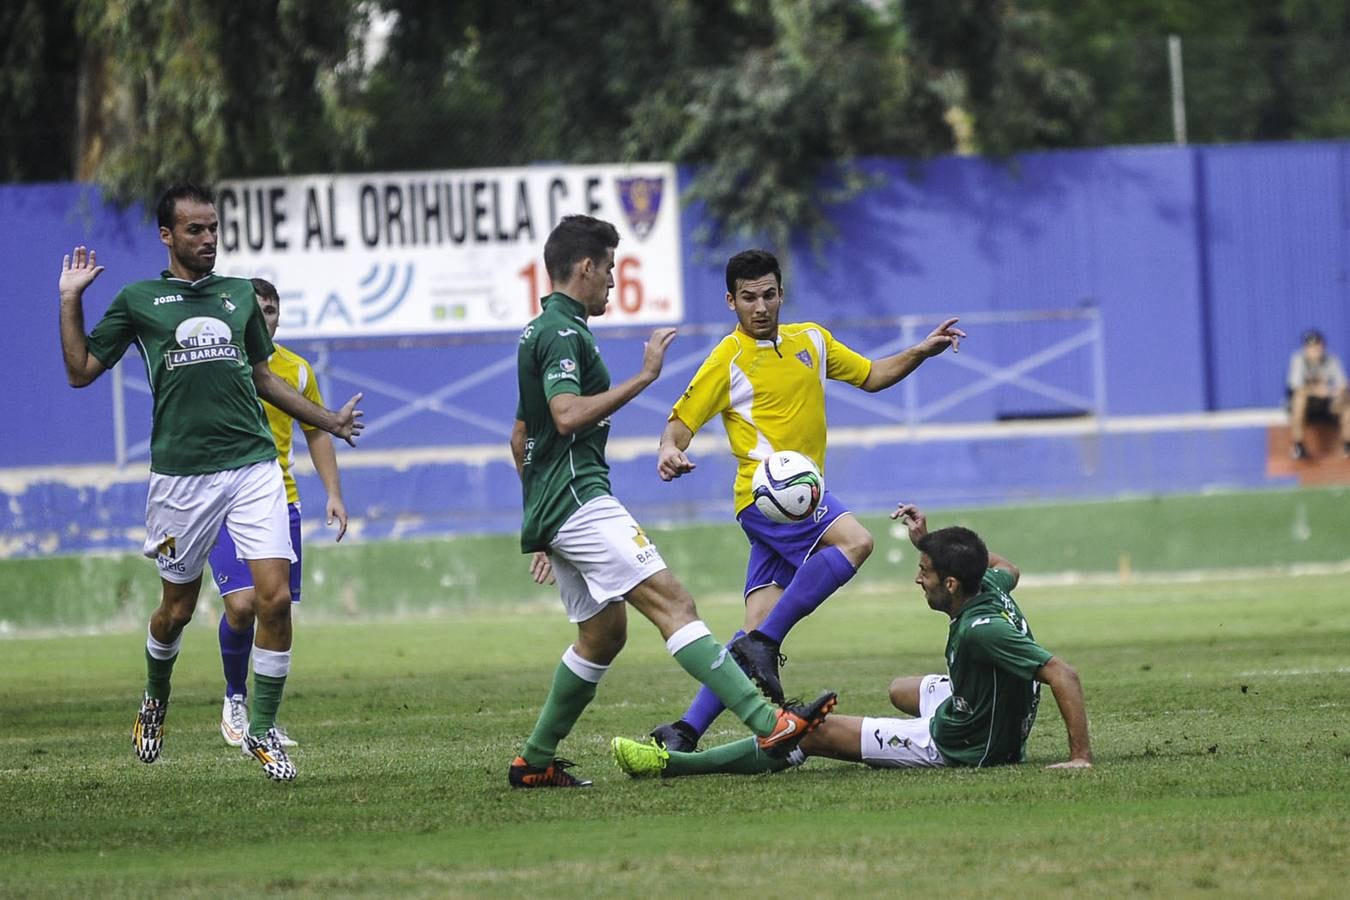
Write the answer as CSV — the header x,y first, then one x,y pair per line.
x,y
574,412
890,369
1068,690
78,270
344,423
321,453
671,461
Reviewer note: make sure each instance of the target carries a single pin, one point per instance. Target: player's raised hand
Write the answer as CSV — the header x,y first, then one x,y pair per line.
x,y
541,568
654,351
944,336
912,518
671,462
349,421
78,269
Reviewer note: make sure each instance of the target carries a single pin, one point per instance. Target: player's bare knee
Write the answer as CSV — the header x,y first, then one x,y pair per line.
x,y
178,616
273,609
905,694
861,548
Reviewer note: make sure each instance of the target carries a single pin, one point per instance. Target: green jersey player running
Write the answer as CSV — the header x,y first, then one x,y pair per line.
x,y
212,459
581,536
978,714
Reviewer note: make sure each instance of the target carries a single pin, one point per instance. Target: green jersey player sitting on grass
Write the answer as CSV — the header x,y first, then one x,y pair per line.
x,y
978,714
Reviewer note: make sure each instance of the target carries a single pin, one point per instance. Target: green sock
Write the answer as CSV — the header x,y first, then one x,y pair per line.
x,y
263,703
157,673
566,699
711,664
741,757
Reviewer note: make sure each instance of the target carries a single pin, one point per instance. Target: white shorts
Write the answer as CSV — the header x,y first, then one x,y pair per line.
x,y
183,514
599,554
906,743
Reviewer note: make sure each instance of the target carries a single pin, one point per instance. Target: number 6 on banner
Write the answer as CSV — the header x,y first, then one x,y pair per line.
x,y
630,285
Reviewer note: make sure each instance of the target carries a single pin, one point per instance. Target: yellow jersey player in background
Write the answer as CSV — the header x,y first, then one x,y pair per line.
x,y
231,574
767,381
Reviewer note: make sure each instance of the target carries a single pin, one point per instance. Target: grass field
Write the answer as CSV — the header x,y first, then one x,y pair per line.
x,y
1218,711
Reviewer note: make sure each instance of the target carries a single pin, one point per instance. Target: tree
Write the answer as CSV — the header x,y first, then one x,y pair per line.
x,y
38,68
775,124
205,90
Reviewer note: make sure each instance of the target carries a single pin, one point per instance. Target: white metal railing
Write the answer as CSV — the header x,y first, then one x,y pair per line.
x,y
1082,333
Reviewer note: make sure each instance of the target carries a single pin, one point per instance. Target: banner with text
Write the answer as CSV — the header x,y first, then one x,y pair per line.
x,y
416,253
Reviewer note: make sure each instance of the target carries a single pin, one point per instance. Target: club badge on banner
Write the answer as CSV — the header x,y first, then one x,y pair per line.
x,y
424,253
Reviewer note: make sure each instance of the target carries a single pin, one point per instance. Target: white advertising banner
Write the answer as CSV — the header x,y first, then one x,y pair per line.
x,y
424,253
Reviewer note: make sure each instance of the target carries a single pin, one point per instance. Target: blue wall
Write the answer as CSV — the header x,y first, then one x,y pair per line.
x,y
1205,263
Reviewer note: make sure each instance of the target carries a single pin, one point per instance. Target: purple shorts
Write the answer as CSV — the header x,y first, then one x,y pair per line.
x,y
777,551
232,574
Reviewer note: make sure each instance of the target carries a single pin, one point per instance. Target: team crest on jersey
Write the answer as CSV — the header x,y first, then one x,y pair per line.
x,y
225,302
641,202
806,359
201,339
567,365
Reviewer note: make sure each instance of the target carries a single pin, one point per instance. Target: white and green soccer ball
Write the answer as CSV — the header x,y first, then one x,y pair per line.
x,y
787,486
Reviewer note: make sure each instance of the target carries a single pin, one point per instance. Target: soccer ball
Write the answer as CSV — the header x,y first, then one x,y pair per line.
x,y
787,486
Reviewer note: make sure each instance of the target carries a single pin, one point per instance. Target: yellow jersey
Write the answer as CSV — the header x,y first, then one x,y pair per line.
x,y
771,394
296,371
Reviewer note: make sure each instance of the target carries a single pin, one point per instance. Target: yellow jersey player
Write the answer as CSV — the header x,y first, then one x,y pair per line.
x,y
767,382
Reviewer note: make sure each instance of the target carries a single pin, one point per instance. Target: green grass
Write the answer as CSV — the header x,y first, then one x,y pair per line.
x,y
1218,711
418,577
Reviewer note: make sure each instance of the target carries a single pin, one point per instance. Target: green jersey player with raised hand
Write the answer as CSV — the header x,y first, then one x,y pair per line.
x,y
212,459
581,536
978,714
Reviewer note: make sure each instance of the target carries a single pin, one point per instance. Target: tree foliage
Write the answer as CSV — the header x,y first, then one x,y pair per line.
x,y
39,61
203,90
771,101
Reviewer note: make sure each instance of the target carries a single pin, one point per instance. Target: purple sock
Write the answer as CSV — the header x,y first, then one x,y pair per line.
x,y
235,647
819,577
706,707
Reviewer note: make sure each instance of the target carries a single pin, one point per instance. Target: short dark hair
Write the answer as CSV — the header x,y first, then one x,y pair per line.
x,y
957,552
576,238
1313,336
751,264
264,288
168,201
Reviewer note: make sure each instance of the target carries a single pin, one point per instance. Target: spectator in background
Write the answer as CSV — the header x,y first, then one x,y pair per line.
x,y
1317,392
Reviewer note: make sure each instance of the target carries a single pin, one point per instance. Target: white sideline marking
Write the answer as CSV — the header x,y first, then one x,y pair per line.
x,y
102,475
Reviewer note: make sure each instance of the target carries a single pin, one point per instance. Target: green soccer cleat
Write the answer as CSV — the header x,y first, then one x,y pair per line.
x,y
645,760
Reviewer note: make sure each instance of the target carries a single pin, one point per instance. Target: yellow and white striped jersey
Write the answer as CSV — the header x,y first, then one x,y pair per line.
x,y
771,395
296,371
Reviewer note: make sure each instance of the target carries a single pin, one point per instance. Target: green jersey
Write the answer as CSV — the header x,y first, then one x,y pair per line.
x,y
199,340
558,355
992,660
